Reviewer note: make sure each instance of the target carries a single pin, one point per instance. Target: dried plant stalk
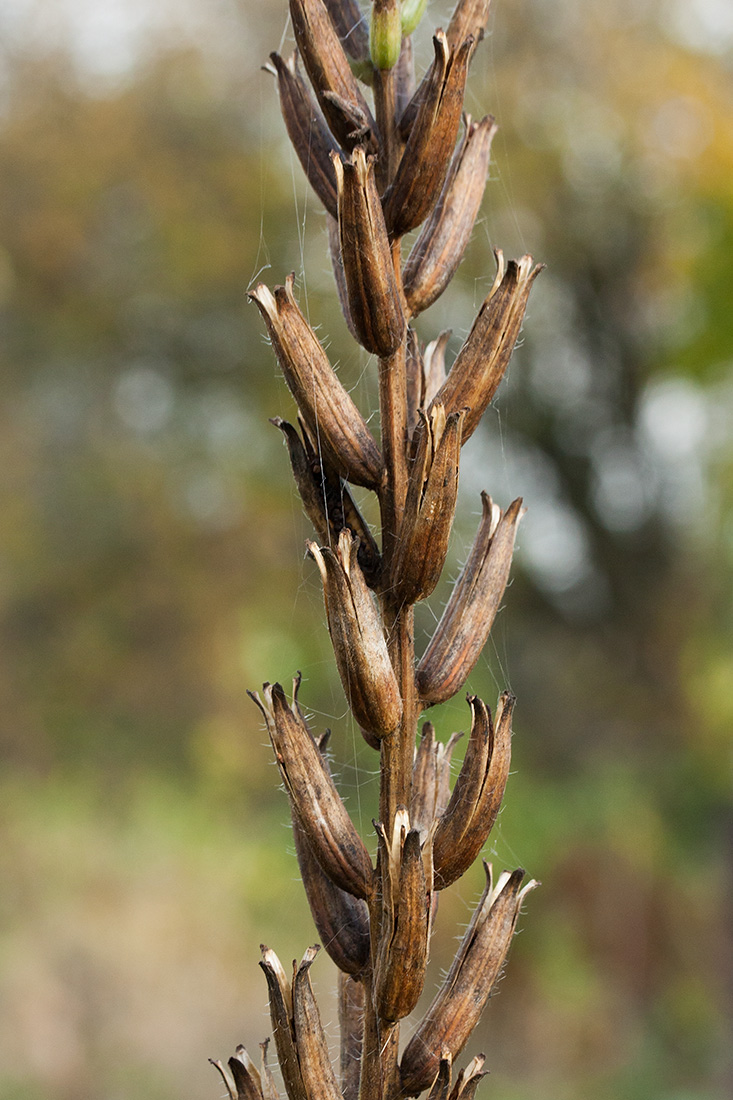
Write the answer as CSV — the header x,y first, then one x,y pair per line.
x,y
381,171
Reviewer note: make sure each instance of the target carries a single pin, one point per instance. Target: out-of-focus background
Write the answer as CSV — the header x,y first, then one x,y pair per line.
x,y
151,549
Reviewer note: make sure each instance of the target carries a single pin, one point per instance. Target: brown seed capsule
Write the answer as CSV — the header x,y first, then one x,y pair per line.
x,y
465,824
469,614
375,306
351,27
484,357
351,1028
281,1017
468,1079
309,135
458,1005
326,407
310,1040
469,17
429,506
327,499
430,779
335,842
342,921
336,87
243,1081
337,265
426,159
269,1088
414,369
403,934
438,250
441,1085
358,641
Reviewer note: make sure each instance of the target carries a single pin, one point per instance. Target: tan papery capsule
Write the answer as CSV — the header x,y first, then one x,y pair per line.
x,y
337,265
468,1079
310,1040
351,26
429,506
242,1082
324,404
351,1029
480,364
375,306
469,17
456,1010
327,499
358,641
342,920
430,779
325,820
309,135
439,249
336,87
466,822
281,1017
269,1088
403,936
469,614
426,159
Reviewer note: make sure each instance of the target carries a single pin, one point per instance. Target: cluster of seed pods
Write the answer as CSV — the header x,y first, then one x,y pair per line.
x,y
385,162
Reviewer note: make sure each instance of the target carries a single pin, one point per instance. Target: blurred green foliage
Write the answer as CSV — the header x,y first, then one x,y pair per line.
x,y
152,567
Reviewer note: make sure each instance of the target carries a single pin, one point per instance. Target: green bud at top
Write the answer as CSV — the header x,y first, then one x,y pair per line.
x,y
385,36
412,13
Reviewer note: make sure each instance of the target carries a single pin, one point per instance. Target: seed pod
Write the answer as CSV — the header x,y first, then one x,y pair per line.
x,y
243,1081
281,1016
309,135
327,499
358,641
469,614
325,820
430,779
310,1040
403,933
269,1088
469,17
342,921
326,407
336,87
441,1085
465,824
434,367
385,33
337,265
375,306
438,250
469,1079
458,1005
484,357
429,506
429,148
351,1028
350,25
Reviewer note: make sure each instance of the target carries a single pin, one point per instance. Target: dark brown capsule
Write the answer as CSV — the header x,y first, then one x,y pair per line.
x,y
310,1040
457,1008
469,614
351,26
426,159
242,1082
309,135
351,1030
336,87
325,405
337,265
325,820
429,506
441,1085
465,824
480,364
439,249
358,641
281,1018
375,305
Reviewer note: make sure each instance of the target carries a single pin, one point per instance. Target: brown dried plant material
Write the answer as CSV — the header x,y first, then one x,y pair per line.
x,y
358,641
281,1018
309,135
437,252
464,826
375,305
469,18
310,1040
325,820
429,149
351,26
430,779
457,1008
351,1026
480,364
469,614
336,87
324,404
469,1079
430,505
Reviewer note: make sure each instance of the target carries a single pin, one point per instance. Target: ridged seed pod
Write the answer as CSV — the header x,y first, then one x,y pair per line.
x,y
469,17
469,614
324,404
281,1018
351,26
310,1039
457,1008
430,779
